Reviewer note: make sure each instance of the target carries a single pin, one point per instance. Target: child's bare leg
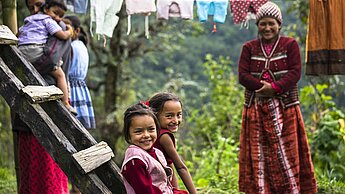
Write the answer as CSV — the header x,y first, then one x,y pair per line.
x,y
61,83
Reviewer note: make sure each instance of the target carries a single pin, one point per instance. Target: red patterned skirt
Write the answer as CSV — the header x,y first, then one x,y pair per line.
x,y
39,173
274,152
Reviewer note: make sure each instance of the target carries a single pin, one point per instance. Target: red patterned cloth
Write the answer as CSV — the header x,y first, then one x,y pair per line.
x,y
39,173
240,9
274,152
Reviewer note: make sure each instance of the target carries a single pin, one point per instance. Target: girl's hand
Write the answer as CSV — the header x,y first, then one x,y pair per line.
x,y
69,28
266,89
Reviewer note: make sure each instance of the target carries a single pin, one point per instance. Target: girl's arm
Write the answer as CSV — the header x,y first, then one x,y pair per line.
x,y
139,178
64,35
174,177
180,167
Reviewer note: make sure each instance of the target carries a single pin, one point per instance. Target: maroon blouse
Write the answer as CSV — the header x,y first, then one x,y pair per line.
x,y
248,65
159,146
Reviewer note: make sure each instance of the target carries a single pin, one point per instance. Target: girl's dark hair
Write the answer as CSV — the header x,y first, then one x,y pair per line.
x,y
137,110
158,100
50,3
75,23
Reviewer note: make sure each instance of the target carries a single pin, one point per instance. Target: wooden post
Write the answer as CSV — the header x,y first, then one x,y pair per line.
x,y
9,14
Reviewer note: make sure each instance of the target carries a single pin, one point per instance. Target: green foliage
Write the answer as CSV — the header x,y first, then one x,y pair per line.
x,y
328,125
222,113
6,140
8,183
301,8
328,185
216,126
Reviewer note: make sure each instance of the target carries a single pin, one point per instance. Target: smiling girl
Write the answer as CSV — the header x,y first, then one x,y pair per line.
x,y
168,109
144,168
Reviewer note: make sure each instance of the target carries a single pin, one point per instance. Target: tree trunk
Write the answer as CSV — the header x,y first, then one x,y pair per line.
x,y
9,14
111,131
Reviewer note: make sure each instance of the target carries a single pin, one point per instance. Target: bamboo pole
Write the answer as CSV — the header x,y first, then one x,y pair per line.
x,y
9,14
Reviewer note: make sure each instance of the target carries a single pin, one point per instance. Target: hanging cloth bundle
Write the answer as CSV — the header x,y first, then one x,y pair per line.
x,y
77,6
245,10
103,13
175,8
140,7
325,39
216,8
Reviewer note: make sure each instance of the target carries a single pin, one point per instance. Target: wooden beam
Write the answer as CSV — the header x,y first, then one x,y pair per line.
x,y
93,157
6,36
39,94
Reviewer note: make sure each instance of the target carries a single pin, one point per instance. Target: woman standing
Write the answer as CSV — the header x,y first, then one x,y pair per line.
x,y
274,151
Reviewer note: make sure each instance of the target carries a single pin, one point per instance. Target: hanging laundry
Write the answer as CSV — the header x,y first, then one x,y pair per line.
x,y
244,10
145,7
175,8
103,13
216,8
80,6
326,38
77,6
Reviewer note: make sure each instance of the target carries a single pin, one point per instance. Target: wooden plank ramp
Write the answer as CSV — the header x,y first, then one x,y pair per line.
x,y
62,135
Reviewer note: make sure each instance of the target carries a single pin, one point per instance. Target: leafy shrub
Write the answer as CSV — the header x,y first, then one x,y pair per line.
x,y
216,131
8,182
330,185
327,123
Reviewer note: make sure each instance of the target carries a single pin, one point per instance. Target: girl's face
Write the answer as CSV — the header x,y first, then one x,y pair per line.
x,y
75,31
171,116
268,29
143,131
55,12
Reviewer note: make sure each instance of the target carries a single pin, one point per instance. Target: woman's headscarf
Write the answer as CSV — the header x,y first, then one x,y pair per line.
x,y
269,9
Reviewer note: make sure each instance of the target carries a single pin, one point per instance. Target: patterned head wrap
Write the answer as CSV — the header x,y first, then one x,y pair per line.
x,y
269,9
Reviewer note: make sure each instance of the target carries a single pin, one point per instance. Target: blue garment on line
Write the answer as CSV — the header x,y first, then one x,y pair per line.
x,y
80,6
217,8
77,6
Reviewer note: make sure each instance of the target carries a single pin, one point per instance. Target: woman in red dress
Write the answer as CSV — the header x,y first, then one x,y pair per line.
x,y
274,152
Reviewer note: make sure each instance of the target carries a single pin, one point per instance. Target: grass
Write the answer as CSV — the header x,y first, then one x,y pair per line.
x,y
8,182
327,186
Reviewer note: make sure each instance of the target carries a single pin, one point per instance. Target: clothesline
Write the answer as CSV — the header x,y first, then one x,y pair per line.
x,y
103,12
